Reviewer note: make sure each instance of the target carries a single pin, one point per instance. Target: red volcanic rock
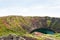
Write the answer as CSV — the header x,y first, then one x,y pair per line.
x,y
38,33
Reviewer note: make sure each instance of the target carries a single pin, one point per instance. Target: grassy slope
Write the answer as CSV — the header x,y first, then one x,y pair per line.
x,y
45,36
12,25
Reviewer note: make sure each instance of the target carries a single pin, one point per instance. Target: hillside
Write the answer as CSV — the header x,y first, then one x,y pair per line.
x,y
20,25
12,25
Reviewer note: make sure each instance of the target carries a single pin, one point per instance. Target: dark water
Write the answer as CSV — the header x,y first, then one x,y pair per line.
x,y
44,30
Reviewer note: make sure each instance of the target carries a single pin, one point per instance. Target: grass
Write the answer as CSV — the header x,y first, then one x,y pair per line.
x,y
12,25
54,37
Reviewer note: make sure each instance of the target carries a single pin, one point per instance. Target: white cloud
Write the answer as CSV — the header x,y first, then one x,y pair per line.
x,y
52,8
31,11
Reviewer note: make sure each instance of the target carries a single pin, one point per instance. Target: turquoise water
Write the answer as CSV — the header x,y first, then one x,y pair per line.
x,y
44,30
50,32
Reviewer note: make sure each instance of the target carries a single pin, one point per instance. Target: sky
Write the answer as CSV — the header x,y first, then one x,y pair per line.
x,y
30,7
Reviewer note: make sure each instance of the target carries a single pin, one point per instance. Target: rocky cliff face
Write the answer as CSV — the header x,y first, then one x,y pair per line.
x,y
18,24
43,22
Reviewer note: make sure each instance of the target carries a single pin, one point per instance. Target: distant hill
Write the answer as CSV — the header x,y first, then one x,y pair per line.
x,y
21,25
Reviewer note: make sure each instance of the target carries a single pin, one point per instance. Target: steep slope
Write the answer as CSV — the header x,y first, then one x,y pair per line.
x,y
21,25
10,25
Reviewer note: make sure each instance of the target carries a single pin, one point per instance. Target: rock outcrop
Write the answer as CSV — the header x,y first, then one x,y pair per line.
x,y
13,37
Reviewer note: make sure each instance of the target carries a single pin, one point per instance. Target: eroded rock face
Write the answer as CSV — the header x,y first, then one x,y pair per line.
x,y
44,22
30,23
